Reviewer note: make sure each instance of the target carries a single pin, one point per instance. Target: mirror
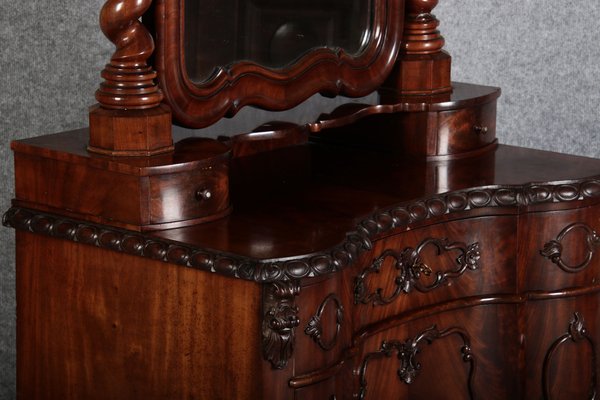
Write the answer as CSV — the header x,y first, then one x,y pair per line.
x,y
214,57
272,33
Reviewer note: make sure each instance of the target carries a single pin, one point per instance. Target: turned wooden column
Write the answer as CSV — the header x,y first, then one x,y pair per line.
x,y
129,119
422,68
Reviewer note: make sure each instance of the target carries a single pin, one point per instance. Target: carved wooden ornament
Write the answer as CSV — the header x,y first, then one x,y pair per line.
x,y
280,320
407,351
411,268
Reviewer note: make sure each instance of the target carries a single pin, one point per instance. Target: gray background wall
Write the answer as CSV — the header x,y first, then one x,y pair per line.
x,y
543,53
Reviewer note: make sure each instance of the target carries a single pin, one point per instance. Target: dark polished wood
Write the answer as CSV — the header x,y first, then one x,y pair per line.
x,y
422,67
341,271
189,185
385,250
443,126
89,339
129,119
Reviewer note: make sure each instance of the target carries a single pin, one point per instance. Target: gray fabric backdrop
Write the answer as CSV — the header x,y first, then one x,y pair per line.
x,y
543,53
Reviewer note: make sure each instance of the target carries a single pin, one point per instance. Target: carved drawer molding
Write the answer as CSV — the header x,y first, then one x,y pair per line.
x,y
411,267
553,250
577,333
314,329
407,351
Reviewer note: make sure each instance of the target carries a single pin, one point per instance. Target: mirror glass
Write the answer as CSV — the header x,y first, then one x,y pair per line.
x,y
273,33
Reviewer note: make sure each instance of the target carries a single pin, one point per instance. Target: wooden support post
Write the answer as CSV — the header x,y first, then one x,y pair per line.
x,y
129,119
422,68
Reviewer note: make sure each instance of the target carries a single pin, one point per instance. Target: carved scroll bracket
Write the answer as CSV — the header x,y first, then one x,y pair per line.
x,y
553,250
407,352
280,320
411,268
129,119
576,333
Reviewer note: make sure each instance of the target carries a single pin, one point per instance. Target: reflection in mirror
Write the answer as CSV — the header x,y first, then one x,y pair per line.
x,y
272,33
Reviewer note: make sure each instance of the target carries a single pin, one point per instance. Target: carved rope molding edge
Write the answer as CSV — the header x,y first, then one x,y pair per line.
x,y
326,262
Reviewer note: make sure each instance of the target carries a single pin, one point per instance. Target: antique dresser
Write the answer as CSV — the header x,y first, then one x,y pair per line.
x,y
391,250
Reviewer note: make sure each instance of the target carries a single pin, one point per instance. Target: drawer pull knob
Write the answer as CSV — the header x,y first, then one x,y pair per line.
x,y
553,250
203,194
411,268
480,130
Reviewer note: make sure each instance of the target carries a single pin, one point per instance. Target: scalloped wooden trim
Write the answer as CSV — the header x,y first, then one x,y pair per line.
x,y
305,266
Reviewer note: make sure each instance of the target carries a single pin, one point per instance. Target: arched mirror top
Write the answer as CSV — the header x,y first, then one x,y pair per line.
x,y
214,57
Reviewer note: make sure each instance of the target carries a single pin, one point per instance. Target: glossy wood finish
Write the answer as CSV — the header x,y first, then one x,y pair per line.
x,y
129,119
422,67
398,251
444,372
298,214
433,127
441,277
187,186
244,83
579,248
563,346
125,328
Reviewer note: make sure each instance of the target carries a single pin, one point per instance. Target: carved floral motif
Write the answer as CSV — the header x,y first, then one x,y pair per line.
x,y
411,267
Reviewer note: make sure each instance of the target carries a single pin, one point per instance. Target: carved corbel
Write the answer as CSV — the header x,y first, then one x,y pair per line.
x,y
129,119
280,320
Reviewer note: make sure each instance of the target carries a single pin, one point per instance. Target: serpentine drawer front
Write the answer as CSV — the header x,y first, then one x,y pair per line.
x,y
560,338
455,355
189,195
434,264
561,249
471,128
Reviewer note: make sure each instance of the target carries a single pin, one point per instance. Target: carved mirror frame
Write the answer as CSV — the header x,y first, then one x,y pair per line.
x,y
322,70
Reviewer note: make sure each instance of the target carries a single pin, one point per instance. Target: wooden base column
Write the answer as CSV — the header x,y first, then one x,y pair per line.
x,y
422,68
129,119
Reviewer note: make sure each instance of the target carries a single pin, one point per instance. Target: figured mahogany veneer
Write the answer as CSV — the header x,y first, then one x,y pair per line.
x,y
188,186
453,125
453,250
383,251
